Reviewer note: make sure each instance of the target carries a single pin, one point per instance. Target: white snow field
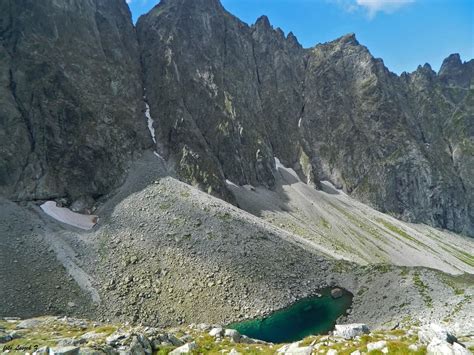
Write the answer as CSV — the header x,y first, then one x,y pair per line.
x,y
66,216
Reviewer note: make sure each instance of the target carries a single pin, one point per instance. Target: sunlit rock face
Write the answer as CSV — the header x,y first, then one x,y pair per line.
x,y
402,144
228,97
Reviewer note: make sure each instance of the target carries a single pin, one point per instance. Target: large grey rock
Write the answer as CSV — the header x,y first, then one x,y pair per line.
x,y
233,334
435,331
458,349
349,331
136,347
216,332
116,337
185,349
29,323
66,350
439,347
378,345
295,349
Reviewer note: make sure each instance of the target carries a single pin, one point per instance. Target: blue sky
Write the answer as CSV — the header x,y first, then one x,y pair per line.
x,y
404,33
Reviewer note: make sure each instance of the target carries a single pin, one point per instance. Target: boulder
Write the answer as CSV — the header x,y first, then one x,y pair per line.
x,y
349,331
185,349
114,338
305,350
136,347
216,332
71,342
429,332
378,345
174,340
65,350
29,323
203,327
294,349
458,349
43,350
233,334
439,347
336,293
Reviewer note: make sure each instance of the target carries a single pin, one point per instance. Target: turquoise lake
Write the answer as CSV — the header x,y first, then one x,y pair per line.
x,y
314,315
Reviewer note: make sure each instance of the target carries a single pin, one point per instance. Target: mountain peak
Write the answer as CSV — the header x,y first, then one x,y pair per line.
x,y
453,61
454,72
293,39
263,21
349,38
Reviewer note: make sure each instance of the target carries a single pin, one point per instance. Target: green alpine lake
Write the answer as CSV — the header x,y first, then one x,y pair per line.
x,y
314,315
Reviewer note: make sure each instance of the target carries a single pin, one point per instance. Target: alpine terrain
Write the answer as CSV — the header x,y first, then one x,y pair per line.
x,y
171,180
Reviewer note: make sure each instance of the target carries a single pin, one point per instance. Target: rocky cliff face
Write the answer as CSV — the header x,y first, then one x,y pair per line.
x,y
70,97
228,98
391,141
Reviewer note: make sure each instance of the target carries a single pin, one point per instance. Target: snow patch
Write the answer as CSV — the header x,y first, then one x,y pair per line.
x,y
299,122
66,216
150,122
230,183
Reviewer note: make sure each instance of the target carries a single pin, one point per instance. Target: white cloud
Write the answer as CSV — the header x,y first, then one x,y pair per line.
x,y
372,7
129,1
387,6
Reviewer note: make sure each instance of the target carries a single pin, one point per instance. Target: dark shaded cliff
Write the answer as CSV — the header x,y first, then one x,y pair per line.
x,y
70,97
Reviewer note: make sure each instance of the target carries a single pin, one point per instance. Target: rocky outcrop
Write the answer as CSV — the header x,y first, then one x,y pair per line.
x,y
70,98
229,97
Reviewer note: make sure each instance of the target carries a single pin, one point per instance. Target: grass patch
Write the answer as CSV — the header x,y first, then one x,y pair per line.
x,y
391,227
106,330
324,223
461,255
422,289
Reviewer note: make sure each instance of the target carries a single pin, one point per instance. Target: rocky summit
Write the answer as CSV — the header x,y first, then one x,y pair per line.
x,y
174,180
